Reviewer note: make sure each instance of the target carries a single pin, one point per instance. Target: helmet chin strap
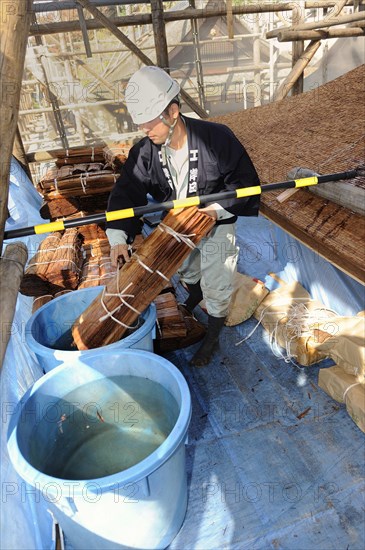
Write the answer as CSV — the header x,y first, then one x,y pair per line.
x,y
169,137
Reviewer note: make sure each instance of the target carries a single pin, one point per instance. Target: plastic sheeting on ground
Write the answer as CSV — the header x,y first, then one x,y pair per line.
x,y
25,522
272,461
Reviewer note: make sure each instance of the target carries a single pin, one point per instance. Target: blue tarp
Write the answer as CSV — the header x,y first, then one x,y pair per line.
x,y
260,473
25,523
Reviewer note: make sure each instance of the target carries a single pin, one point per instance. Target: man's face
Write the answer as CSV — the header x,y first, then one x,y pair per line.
x,y
156,130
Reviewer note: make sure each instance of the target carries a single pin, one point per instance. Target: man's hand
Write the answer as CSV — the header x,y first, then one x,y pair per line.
x,y
210,210
119,254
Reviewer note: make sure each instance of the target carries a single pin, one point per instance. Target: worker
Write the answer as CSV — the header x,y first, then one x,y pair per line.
x,y
182,157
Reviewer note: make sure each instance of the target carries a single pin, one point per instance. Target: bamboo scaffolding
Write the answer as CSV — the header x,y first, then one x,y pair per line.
x,y
328,21
138,283
108,24
297,70
296,74
323,34
159,33
178,15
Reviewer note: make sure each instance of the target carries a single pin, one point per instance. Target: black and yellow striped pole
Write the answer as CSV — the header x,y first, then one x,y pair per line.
x,y
138,211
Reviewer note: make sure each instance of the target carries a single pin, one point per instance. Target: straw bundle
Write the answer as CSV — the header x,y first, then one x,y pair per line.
x,y
35,281
138,283
64,269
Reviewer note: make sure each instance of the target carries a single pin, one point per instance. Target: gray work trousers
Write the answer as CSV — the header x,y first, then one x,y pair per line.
x,y
214,263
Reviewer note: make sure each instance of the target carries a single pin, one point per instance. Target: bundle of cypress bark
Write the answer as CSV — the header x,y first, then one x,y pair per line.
x,y
170,320
116,310
74,185
90,273
64,269
59,208
79,155
56,266
116,155
195,331
35,281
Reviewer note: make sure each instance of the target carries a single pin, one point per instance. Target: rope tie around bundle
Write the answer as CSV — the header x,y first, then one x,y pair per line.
x,y
159,257
110,314
180,237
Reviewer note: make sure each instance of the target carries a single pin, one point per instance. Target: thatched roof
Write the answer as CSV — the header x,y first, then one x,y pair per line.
x,y
324,130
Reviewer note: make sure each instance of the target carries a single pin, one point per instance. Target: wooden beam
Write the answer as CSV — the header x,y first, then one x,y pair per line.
x,y
108,24
289,36
146,60
11,273
83,27
20,155
297,70
15,24
297,49
178,15
229,19
45,7
159,34
329,21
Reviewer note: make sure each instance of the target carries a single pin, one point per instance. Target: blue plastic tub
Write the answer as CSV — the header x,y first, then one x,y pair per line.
x,y
56,317
65,439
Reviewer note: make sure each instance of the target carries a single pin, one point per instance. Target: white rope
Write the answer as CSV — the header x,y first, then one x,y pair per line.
x,y
44,296
121,295
83,181
151,270
52,262
162,275
180,237
299,319
142,264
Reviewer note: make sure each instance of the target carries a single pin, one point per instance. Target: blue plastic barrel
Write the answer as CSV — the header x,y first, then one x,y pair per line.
x,y
104,445
47,325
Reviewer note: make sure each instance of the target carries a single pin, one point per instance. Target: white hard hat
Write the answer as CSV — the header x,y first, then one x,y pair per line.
x,y
148,93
